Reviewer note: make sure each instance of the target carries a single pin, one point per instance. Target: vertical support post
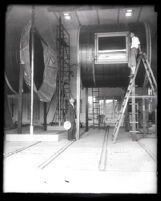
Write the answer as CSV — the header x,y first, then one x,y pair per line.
x,y
133,113
113,109
20,100
144,117
12,107
86,106
156,121
78,89
59,46
32,69
45,116
104,111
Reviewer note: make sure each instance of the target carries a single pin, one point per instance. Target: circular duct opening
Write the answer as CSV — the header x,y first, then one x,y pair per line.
x,y
38,60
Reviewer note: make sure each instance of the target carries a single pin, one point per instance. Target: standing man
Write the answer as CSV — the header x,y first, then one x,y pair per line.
x,y
135,47
70,116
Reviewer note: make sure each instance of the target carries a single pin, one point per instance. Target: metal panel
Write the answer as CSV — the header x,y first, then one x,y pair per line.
x,y
108,16
72,23
131,19
148,14
106,75
88,17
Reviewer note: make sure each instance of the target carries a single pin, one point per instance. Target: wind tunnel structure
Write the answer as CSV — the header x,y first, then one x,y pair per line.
x,y
18,55
104,53
45,64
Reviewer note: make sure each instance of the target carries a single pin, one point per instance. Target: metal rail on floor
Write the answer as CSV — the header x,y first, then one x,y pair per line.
x,y
103,157
20,150
55,155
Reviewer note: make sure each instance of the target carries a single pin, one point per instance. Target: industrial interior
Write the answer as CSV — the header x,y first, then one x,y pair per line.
x,y
54,53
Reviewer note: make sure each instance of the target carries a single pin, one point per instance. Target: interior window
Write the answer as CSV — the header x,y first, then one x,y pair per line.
x,y
111,48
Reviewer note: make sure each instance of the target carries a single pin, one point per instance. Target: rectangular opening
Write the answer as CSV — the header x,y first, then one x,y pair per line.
x,y
112,43
111,47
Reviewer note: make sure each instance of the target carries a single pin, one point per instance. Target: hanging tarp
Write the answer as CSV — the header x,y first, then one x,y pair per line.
x,y
49,73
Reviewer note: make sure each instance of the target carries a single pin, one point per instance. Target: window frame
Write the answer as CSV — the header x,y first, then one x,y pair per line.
x,y
110,61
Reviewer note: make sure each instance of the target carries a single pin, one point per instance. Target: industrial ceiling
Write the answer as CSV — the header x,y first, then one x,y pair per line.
x,y
88,15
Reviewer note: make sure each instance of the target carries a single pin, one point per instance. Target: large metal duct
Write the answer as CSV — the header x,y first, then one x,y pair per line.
x,y
18,51
114,43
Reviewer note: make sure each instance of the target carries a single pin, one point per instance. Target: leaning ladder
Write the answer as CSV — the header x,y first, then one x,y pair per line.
x,y
153,84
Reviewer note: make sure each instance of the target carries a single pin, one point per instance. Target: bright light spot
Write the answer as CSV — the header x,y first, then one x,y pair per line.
x,y
90,99
129,11
109,101
67,17
66,14
128,14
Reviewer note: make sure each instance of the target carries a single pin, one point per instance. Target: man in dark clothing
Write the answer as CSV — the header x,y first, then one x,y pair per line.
x,y
70,116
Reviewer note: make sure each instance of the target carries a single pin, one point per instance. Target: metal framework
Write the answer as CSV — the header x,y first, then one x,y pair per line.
x,y
95,107
64,72
131,89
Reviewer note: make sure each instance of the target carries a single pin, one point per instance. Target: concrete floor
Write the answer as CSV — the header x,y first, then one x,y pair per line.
x,y
129,166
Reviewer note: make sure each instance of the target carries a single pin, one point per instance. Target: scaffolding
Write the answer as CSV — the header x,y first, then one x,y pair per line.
x,y
95,107
63,78
63,92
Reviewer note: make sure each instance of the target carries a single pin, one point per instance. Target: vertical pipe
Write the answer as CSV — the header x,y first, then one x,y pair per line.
x,y
86,96
104,110
133,113
59,42
156,121
113,109
144,117
45,116
12,107
32,69
78,89
20,97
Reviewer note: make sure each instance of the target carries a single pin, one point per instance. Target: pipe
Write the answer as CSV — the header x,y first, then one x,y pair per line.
x,y
59,46
86,97
32,69
78,88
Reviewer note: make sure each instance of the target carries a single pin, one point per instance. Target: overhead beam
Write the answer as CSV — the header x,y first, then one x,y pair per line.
x,y
143,96
77,18
139,14
98,19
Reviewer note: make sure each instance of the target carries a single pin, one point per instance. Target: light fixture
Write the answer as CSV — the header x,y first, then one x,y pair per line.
x,y
67,16
128,13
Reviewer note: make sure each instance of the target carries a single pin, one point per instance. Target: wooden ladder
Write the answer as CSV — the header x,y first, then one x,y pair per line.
x,y
153,84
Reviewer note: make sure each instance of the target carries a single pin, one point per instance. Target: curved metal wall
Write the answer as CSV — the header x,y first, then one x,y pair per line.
x,y
107,75
18,51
